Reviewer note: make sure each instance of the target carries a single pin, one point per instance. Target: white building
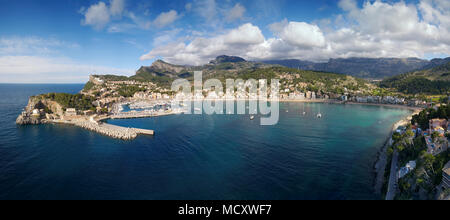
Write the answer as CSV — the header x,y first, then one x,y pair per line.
x,y
36,112
71,112
410,166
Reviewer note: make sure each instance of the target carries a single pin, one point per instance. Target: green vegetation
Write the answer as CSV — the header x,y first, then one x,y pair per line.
x,y
112,77
129,91
162,81
316,81
88,86
412,151
423,118
382,92
430,81
422,182
416,84
78,101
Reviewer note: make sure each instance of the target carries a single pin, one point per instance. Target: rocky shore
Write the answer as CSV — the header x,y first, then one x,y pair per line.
x,y
24,119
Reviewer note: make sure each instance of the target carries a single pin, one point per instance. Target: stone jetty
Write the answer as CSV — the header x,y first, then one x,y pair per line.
x,y
113,130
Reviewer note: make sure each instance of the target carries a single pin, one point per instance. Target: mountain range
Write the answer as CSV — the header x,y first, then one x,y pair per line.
x,y
435,79
231,67
409,76
222,67
367,68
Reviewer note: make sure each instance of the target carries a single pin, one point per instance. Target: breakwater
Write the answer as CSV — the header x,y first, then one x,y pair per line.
x,y
113,130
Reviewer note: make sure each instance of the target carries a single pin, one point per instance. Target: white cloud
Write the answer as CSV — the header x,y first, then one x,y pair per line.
x,y
215,13
35,69
389,29
115,18
97,16
200,50
33,45
375,29
166,18
300,34
100,15
235,13
117,7
206,8
246,41
35,59
246,34
348,5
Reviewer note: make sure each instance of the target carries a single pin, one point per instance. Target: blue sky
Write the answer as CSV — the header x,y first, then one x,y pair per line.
x,y
65,40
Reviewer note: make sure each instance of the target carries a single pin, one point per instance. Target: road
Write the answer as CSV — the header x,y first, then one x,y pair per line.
x,y
393,180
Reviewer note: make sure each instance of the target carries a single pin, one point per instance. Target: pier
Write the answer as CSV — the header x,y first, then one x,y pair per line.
x,y
113,131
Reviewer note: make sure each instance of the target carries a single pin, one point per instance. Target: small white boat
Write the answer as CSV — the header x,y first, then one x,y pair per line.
x,y
197,109
252,117
304,113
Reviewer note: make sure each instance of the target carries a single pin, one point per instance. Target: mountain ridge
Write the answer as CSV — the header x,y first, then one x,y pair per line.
x,y
434,80
368,68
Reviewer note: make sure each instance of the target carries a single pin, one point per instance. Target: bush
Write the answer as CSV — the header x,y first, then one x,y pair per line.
x,y
78,101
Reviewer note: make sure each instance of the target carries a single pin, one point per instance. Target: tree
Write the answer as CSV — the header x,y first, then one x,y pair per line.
x,y
396,137
400,147
410,133
428,161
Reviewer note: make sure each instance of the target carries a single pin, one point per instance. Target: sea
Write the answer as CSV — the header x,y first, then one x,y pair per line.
x,y
195,157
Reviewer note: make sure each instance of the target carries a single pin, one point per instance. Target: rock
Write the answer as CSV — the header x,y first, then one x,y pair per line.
x,y
27,120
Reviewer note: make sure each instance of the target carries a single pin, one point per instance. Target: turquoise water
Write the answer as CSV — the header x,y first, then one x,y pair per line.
x,y
195,156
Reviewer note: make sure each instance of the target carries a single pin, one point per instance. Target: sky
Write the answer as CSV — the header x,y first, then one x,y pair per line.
x,y
64,41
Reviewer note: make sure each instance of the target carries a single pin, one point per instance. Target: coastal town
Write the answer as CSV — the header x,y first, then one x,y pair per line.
x,y
106,97
419,157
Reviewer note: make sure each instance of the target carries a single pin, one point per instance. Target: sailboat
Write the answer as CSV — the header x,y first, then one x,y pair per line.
x,y
304,112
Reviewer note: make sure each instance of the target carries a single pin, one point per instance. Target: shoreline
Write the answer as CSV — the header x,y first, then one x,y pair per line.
x,y
412,108
330,101
381,161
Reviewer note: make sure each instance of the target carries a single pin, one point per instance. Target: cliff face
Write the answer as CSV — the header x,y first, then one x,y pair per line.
x,y
28,118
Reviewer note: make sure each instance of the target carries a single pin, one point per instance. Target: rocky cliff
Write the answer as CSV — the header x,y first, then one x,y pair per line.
x,y
42,106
